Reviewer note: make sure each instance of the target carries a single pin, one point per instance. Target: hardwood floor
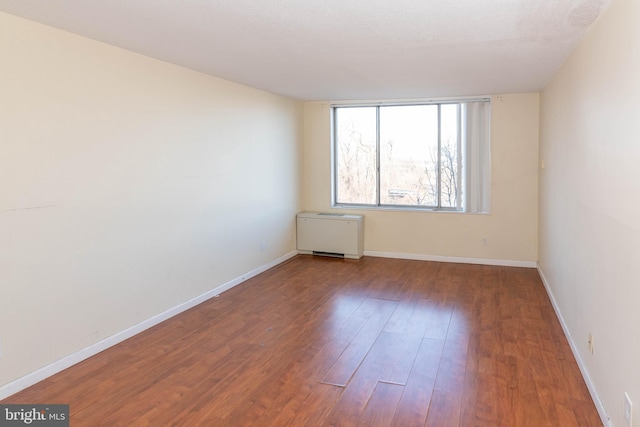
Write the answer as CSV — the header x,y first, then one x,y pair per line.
x,y
329,342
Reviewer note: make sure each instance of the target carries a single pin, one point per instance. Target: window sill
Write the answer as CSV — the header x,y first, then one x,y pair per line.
x,y
387,208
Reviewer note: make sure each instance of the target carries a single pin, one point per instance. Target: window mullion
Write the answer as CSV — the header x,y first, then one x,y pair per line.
x,y
334,156
439,166
459,159
378,156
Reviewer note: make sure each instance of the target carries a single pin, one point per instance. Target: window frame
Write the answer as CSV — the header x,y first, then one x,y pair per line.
x,y
460,208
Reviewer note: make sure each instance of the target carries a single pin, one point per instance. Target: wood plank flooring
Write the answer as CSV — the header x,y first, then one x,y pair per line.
x,y
329,342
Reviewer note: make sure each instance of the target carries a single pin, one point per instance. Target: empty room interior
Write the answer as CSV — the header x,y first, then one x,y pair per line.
x,y
177,179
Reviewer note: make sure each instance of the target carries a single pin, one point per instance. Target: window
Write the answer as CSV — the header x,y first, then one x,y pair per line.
x,y
432,156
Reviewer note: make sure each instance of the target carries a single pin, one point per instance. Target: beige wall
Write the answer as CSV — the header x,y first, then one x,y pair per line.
x,y
590,201
127,186
511,228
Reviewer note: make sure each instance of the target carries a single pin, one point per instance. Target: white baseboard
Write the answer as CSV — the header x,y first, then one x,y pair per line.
x,y
604,416
70,360
462,260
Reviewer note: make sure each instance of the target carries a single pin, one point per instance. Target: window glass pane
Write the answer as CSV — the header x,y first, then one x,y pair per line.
x,y
450,175
356,155
434,156
409,155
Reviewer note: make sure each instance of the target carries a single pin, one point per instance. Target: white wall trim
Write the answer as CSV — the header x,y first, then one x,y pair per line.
x,y
604,416
70,360
462,260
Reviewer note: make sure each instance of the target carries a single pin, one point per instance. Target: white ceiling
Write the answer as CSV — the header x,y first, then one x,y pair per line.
x,y
340,49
